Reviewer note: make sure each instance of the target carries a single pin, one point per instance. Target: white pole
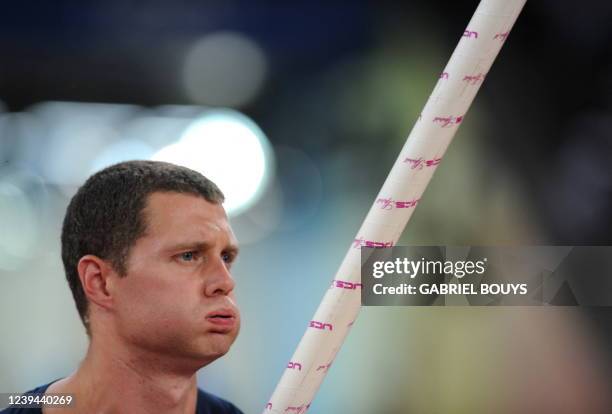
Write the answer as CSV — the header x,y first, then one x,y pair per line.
x,y
393,207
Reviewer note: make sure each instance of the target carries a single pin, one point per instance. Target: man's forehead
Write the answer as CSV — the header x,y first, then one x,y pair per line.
x,y
168,209
169,199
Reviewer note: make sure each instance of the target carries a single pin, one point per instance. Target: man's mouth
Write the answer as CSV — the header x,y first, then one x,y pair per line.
x,y
222,318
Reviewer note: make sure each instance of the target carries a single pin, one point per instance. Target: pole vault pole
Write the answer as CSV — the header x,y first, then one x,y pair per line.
x,y
424,149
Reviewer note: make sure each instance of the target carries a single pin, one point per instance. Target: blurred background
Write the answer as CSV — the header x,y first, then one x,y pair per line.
x,y
298,111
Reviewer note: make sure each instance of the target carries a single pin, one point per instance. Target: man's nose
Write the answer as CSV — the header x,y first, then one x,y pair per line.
x,y
220,280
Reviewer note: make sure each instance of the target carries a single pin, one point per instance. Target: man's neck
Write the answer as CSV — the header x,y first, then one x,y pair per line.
x,y
116,380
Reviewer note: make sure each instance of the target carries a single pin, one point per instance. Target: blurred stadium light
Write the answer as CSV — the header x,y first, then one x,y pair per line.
x,y
224,69
231,150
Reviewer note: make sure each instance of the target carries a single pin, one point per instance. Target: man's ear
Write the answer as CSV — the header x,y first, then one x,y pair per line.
x,y
94,274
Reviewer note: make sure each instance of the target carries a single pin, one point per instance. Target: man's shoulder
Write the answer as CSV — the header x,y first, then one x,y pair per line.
x,y
17,410
211,404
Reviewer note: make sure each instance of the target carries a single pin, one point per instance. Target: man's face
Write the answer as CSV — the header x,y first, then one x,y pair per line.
x,y
177,297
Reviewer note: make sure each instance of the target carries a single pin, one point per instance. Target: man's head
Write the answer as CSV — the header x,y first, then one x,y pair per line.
x,y
147,247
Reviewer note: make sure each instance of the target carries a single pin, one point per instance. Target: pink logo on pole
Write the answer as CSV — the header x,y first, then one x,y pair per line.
x,y
407,204
419,163
444,75
448,120
470,33
501,36
343,284
269,406
321,325
473,79
294,365
361,242
325,368
389,203
299,409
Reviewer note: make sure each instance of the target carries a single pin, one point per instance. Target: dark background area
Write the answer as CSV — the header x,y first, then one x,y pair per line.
x,y
549,100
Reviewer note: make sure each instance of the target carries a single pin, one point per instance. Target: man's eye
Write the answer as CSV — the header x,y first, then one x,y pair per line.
x,y
227,258
189,256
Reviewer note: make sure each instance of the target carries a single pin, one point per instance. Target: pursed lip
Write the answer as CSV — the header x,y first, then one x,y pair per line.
x,y
224,319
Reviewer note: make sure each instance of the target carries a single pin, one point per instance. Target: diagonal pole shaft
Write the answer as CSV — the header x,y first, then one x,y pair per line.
x,y
394,205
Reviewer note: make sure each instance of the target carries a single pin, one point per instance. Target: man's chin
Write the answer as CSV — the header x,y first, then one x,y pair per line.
x,y
194,359
203,349
215,345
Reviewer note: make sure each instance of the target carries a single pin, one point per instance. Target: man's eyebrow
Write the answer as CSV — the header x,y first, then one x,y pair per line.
x,y
203,245
194,245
